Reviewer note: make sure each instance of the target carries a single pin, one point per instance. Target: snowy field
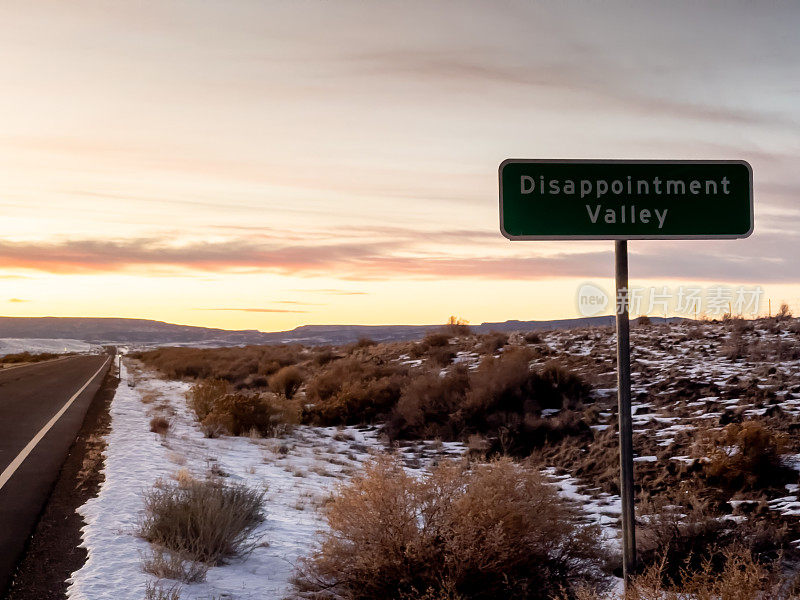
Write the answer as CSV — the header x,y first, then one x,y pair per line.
x,y
299,471
38,346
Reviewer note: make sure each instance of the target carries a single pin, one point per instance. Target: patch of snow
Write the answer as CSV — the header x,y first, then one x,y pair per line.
x,y
39,346
298,470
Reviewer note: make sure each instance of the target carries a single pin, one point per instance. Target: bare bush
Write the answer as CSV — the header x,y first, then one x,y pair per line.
x,y
492,342
435,339
784,313
774,350
741,577
166,564
286,381
158,591
160,425
497,531
744,456
202,396
351,391
206,521
241,367
241,413
426,405
457,326
532,338
502,400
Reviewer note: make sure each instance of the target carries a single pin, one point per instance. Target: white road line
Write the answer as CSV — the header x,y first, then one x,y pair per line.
x,y
11,469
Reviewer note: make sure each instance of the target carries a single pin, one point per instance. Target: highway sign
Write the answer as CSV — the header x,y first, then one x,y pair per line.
x,y
625,199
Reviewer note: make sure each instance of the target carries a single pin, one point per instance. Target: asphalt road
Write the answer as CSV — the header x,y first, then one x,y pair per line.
x,y
42,407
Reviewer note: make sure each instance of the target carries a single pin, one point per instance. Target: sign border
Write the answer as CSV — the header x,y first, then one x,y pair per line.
x,y
515,238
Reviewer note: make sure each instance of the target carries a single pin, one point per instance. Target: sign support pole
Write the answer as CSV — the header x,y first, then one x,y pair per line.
x,y
624,412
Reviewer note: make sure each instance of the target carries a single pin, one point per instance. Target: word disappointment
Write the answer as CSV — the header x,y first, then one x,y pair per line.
x,y
627,186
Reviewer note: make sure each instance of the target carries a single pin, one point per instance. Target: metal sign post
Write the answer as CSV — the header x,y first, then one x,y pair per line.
x,y
625,200
624,411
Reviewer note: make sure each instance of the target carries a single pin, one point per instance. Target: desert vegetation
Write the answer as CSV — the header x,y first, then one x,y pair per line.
x,y
193,524
28,357
716,420
496,530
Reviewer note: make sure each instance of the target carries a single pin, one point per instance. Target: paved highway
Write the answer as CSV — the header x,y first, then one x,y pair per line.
x,y
42,407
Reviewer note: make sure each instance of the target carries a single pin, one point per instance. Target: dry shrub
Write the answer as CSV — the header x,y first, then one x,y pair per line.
x,y
323,356
496,531
165,564
158,591
150,397
736,346
240,413
744,456
247,366
505,395
203,521
351,391
426,405
502,400
784,313
457,326
492,342
27,357
683,534
775,350
202,396
532,338
160,425
435,340
440,356
286,381
741,577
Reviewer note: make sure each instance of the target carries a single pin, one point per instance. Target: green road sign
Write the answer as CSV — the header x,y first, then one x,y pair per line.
x,y
620,199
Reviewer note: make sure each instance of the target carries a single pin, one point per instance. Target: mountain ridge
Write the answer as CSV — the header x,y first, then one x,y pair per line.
x,y
148,331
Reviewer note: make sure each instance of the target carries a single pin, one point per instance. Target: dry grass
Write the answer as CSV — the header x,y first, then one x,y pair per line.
x,y
744,456
286,381
249,366
352,391
220,410
158,591
741,577
27,357
205,521
160,425
166,564
202,396
502,400
497,531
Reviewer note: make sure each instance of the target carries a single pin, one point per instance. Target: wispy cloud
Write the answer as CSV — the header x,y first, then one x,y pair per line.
x,y
17,300
757,259
256,310
333,291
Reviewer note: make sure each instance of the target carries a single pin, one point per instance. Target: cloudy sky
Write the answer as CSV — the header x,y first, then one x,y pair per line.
x,y
260,164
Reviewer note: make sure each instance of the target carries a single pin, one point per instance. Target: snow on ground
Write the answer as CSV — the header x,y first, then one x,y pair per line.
x,y
598,508
38,346
299,471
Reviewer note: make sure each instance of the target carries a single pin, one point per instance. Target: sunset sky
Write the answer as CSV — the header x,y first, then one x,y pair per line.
x,y
263,165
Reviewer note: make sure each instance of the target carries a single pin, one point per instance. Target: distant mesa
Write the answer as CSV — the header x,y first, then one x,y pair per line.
x,y
146,332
